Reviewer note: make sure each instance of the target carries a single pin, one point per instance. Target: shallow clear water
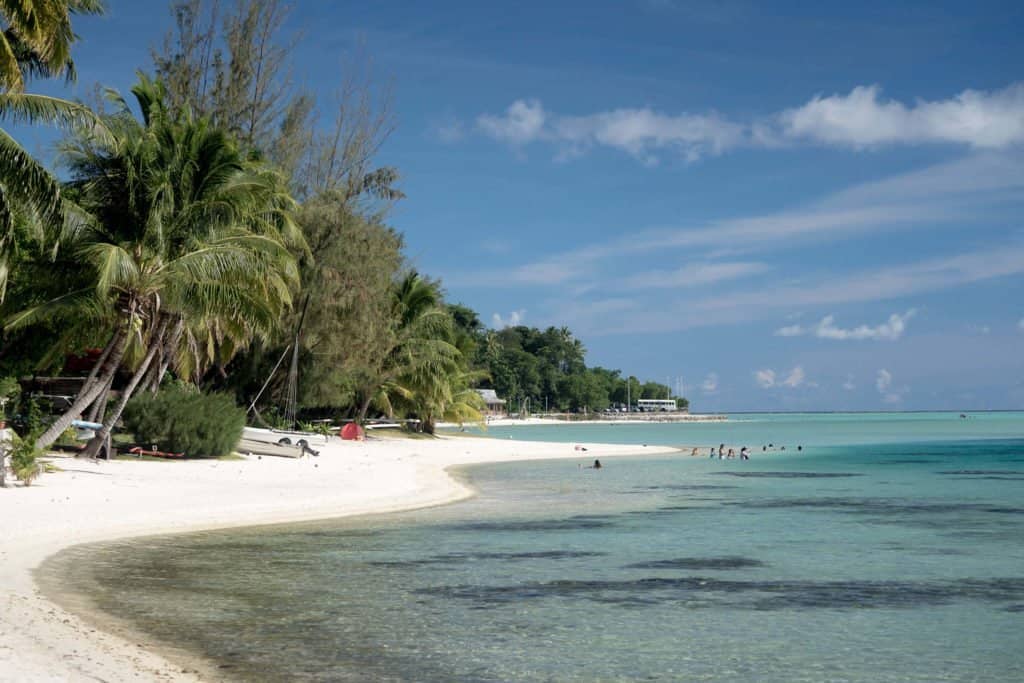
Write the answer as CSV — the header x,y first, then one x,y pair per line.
x,y
870,562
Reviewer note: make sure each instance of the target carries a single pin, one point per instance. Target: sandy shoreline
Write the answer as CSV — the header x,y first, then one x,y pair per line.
x,y
97,501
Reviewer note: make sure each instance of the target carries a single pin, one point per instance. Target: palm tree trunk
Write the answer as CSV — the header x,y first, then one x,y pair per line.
x,y
89,393
94,445
153,373
167,351
94,410
99,406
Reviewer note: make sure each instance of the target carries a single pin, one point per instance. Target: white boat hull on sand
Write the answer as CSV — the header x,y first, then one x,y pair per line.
x,y
251,447
283,436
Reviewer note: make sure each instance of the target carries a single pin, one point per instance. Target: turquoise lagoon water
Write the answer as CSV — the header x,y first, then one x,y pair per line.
x,y
890,549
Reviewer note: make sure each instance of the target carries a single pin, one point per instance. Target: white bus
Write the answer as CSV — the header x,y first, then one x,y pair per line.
x,y
656,405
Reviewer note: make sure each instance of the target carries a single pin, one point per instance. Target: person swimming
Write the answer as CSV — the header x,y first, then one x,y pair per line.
x,y
597,464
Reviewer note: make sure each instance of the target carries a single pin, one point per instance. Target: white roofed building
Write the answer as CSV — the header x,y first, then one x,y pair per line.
x,y
495,405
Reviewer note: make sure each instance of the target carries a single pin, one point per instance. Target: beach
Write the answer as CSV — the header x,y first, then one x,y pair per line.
x,y
90,501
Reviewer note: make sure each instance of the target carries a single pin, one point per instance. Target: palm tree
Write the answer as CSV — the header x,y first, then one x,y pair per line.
x,y
35,40
179,234
416,346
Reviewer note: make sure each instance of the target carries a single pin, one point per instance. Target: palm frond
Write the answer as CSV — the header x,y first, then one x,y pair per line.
x,y
20,108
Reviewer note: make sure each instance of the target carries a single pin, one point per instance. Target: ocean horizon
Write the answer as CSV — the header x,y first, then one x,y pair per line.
x,y
890,547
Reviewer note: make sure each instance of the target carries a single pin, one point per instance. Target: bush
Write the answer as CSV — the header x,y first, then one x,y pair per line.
x,y
23,460
180,421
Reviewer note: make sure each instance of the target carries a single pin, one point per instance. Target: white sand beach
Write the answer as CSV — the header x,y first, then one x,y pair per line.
x,y
94,501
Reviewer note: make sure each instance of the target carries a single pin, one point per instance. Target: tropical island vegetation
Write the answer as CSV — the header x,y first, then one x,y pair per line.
x,y
219,222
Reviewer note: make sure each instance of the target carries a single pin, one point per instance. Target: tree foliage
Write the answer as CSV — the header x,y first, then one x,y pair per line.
x,y
189,422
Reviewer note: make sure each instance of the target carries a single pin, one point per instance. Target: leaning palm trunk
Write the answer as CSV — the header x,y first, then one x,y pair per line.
x,y
166,353
92,449
88,394
94,411
99,406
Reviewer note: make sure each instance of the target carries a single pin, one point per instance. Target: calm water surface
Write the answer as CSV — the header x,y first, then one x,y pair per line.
x,y
890,549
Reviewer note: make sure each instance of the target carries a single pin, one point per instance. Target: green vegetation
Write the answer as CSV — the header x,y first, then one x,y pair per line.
x,y
23,457
210,227
177,420
545,370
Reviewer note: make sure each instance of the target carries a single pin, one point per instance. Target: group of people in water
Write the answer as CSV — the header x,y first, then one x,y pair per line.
x,y
744,453
721,453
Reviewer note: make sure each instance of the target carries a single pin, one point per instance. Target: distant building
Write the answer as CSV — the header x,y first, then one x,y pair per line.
x,y
495,405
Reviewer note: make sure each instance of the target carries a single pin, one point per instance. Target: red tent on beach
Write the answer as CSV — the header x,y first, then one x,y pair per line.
x,y
352,432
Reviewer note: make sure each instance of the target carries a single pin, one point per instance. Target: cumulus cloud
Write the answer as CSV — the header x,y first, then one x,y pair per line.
x,y
765,378
640,132
795,378
891,330
514,318
890,394
791,331
848,384
862,119
710,383
521,123
858,119
1020,324
883,381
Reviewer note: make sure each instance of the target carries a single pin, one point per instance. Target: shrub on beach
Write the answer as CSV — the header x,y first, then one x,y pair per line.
x,y
23,455
179,421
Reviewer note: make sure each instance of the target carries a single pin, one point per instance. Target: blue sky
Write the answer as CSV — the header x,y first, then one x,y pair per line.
x,y
812,206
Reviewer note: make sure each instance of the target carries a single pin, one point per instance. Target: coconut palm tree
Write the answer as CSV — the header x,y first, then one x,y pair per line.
x,y
178,233
416,345
35,40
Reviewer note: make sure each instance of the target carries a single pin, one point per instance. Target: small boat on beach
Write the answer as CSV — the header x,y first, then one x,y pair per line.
x,y
253,447
283,436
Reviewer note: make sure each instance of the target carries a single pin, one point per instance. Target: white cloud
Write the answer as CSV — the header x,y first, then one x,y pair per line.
x,y
883,381
710,383
979,119
890,330
791,331
521,123
1020,324
886,283
641,132
848,384
514,318
979,329
765,378
795,378
943,194
860,119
